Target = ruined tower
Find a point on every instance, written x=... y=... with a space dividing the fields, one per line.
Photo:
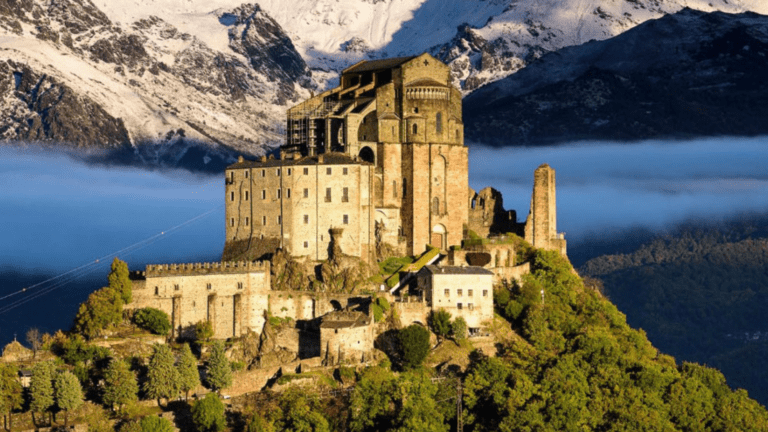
x=541 y=225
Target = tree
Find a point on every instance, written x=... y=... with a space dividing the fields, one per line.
x=11 y=393
x=69 y=394
x=219 y=371
x=41 y=388
x=459 y=329
x=189 y=377
x=153 y=320
x=35 y=340
x=203 y=330
x=120 y=385
x=155 y=424
x=102 y=309
x=162 y=376
x=119 y=280
x=301 y=412
x=414 y=345
x=208 y=414
x=440 y=322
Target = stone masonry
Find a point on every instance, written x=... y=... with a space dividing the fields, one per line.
x=541 y=225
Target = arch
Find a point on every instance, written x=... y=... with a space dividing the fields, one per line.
x=336 y=305
x=438 y=236
x=415 y=128
x=367 y=154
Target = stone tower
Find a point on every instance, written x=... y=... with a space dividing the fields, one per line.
x=541 y=225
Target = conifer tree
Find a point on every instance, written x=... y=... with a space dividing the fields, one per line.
x=41 y=388
x=69 y=394
x=208 y=414
x=119 y=280
x=162 y=376
x=189 y=377
x=120 y=385
x=102 y=309
x=219 y=371
x=11 y=396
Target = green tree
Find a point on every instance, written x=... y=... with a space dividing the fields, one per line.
x=153 y=320
x=459 y=329
x=219 y=371
x=120 y=385
x=259 y=424
x=41 y=388
x=414 y=345
x=440 y=323
x=208 y=414
x=69 y=394
x=203 y=330
x=102 y=309
x=301 y=412
x=155 y=424
x=119 y=280
x=189 y=377
x=11 y=393
x=162 y=376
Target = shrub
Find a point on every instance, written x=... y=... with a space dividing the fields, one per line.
x=440 y=323
x=153 y=320
x=203 y=330
x=155 y=424
x=208 y=413
x=459 y=329
x=414 y=345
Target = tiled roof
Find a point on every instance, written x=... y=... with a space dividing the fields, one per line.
x=375 y=65
x=332 y=158
x=457 y=270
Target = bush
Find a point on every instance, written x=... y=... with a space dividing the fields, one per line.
x=155 y=424
x=459 y=329
x=414 y=345
x=203 y=330
x=153 y=320
x=440 y=323
x=208 y=414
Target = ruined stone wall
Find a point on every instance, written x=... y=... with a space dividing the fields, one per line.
x=498 y=258
x=541 y=225
x=487 y=215
x=411 y=312
x=466 y=295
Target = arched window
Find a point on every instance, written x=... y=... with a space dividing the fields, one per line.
x=367 y=155
x=436 y=205
x=439 y=122
x=415 y=129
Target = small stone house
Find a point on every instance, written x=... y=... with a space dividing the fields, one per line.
x=465 y=292
x=346 y=336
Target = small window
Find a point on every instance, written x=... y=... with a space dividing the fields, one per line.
x=416 y=110
x=239 y=285
x=231 y=222
x=415 y=129
x=279 y=219
x=288 y=193
x=460 y=292
x=327 y=194
x=328 y=171
x=346 y=219
x=231 y=196
x=176 y=287
x=157 y=291
x=263 y=194
x=470 y=292
x=264 y=220
x=345 y=171
x=439 y=123
x=485 y=293
x=277 y=171
x=232 y=176
x=470 y=306
x=306 y=245
x=263 y=173
x=405 y=187
x=278 y=194
x=246 y=195
x=289 y=171
x=345 y=195
x=247 y=222
x=208 y=286
x=306 y=219
x=458 y=306
x=246 y=173
x=447 y=292
x=306 y=193
x=306 y=171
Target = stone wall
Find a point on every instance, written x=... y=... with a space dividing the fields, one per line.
x=487 y=215
x=411 y=312
x=541 y=225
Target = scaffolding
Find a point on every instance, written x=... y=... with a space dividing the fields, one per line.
x=302 y=124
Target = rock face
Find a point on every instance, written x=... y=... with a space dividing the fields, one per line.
x=684 y=75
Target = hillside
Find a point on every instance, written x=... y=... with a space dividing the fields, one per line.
x=689 y=74
x=701 y=296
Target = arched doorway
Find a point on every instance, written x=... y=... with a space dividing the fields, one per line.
x=438 y=236
x=367 y=155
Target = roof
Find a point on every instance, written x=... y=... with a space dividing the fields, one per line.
x=344 y=319
x=458 y=270
x=375 y=65
x=426 y=82
x=332 y=158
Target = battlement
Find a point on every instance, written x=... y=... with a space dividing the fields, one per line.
x=195 y=269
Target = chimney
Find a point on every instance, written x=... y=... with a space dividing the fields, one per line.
x=320 y=158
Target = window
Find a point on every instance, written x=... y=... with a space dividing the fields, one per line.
x=457 y=134
x=288 y=193
x=246 y=195
x=345 y=195
x=405 y=187
x=458 y=306
x=278 y=193
x=231 y=196
x=306 y=171
x=306 y=245
x=439 y=123
x=289 y=171
x=327 y=194
x=245 y=173
x=263 y=194
x=470 y=306
x=277 y=171
x=306 y=219
x=346 y=219
x=306 y=193
x=232 y=176
x=157 y=291
x=345 y=171
x=231 y=222
x=394 y=188
x=436 y=205
x=328 y=171
x=416 y=110
x=263 y=173
x=176 y=287
x=264 y=220
x=208 y=286
x=447 y=292
x=239 y=285
x=460 y=292
x=415 y=129
x=279 y=219
x=469 y=293
x=247 y=222
x=485 y=293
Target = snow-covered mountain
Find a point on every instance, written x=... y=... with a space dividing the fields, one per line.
x=221 y=72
